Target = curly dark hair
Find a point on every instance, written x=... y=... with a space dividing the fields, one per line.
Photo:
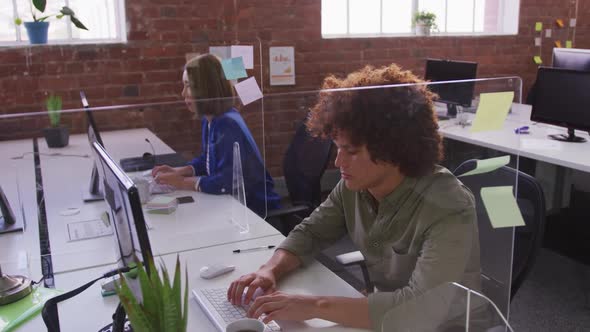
x=397 y=124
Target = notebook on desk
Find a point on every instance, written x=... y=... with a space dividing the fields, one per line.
x=137 y=164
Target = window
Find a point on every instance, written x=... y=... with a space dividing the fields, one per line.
x=105 y=20
x=376 y=18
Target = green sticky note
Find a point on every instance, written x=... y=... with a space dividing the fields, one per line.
x=501 y=207
x=492 y=111
x=233 y=68
x=16 y=313
x=568 y=44
x=538 y=26
x=537 y=59
x=488 y=165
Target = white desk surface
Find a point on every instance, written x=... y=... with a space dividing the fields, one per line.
x=20 y=251
x=570 y=155
x=314 y=279
x=195 y=225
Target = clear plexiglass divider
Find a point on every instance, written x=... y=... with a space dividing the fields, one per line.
x=479 y=145
x=276 y=122
x=449 y=307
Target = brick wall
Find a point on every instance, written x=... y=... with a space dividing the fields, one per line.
x=148 y=67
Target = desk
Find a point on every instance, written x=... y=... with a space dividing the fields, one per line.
x=314 y=279
x=571 y=155
x=191 y=226
x=20 y=251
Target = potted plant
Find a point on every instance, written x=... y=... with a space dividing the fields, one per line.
x=37 y=30
x=160 y=307
x=56 y=136
x=424 y=21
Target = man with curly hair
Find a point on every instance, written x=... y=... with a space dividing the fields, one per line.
x=413 y=221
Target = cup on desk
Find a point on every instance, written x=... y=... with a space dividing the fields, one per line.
x=245 y=325
x=143 y=188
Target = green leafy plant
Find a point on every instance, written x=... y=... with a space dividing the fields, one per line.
x=40 y=5
x=425 y=18
x=161 y=309
x=53 y=104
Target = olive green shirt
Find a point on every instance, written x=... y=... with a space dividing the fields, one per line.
x=419 y=236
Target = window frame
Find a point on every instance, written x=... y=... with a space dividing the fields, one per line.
x=120 y=38
x=415 y=6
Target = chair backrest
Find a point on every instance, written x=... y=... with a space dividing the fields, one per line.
x=304 y=164
x=527 y=239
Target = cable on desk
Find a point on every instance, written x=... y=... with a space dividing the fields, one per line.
x=54 y=154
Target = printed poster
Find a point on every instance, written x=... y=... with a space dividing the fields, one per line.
x=282 y=65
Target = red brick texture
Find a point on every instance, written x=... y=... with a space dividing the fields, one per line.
x=148 y=67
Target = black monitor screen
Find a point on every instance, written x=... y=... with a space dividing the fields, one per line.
x=571 y=58
x=445 y=70
x=562 y=98
x=121 y=195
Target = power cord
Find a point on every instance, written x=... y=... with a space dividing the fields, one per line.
x=55 y=154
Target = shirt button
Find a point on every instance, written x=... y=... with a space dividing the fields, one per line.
x=375 y=244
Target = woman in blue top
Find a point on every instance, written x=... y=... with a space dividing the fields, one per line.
x=208 y=94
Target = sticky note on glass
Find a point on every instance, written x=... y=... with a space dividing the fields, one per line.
x=492 y=111
x=501 y=207
x=568 y=44
x=488 y=165
x=248 y=91
x=572 y=22
x=537 y=41
x=537 y=59
x=558 y=43
x=223 y=52
x=538 y=26
x=244 y=51
x=233 y=68
x=547 y=33
x=559 y=22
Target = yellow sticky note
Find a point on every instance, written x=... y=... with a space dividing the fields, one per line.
x=538 y=26
x=559 y=22
x=492 y=111
x=558 y=43
x=537 y=59
x=568 y=44
x=488 y=165
x=501 y=207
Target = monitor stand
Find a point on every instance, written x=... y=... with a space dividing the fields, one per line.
x=570 y=137
x=8 y=227
x=92 y=193
x=452 y=110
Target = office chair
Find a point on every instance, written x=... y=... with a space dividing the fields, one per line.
x=304 y=164
x=527 y=239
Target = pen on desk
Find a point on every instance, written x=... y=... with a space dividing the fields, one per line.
x=237 y=251
x=522 y=130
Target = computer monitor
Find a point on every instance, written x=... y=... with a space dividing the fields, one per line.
x=7 y=219
x=452 y=94
x=125 y=213
x=93 y=193
x=571 y=58
x=562 y=99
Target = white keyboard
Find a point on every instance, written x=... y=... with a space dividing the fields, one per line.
x=221 y=312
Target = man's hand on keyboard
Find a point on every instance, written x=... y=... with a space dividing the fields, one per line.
x=263 y=279
x=162 y=169
x=282 y=306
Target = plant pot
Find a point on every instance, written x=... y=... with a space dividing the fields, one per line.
x=422 y=29
x=56 y=137
x=37 y=32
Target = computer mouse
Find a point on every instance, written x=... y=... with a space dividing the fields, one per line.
x=147 y=156
x=214 y=270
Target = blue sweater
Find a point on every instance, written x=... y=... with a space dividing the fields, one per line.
x=219 y=138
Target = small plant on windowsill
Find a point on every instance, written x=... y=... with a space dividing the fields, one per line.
x=57 y=136
x=424 y=22
x=37 y=29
